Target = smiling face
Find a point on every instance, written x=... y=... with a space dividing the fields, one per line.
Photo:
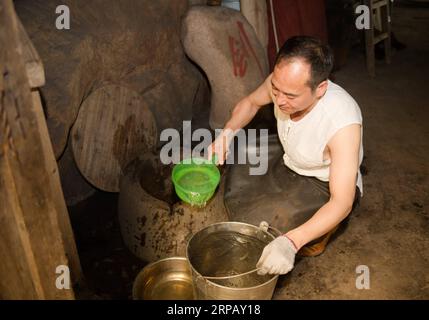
x=291 y=89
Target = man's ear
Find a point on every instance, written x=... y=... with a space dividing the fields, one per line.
x=321 y=89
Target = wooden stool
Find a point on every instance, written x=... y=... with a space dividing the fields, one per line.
x=379 y=31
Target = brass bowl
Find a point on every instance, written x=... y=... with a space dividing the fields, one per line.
x=166 y=279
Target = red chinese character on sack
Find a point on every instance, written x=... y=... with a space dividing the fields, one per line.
x=240 y=48
x=239 y=56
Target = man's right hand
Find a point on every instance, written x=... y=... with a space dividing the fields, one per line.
x=242 y=114
x=221 y=146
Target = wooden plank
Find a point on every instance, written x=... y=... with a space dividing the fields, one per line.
x=33 y=64
x=113 y=127
x=386 y=26
x=28 y=205
x=378 y=4
x=15 y=245
x=55 y=185
x=369 y=42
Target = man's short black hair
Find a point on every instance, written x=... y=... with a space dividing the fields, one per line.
x=314 y=52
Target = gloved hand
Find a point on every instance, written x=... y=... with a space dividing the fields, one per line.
x=278 y=257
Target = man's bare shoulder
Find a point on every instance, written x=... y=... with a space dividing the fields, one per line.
x=262 y=95
x=345 y=136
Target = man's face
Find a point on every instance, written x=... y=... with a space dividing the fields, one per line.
x=290 y=87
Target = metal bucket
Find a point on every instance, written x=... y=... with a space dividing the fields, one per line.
x=227 y=253
x=166 y=279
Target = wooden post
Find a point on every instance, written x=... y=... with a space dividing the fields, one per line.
x=369 y=41
x=35 y=235
x=386 y=27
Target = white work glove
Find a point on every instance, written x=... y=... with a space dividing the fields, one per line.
x=278 y=257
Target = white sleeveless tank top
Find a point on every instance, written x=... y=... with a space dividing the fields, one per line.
x=305 y=140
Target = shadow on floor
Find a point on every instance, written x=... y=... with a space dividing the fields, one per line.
x=108 y=266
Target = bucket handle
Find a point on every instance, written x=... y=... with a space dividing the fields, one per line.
x=233 y=276
x=264 y=226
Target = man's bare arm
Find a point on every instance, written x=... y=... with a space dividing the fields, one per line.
x=246 y=109
x=242 y=114
x=344 y=151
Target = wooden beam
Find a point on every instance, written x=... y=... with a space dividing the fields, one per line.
x=31 y=242
x=55 y=185
x=36 y=76
x=33 y=63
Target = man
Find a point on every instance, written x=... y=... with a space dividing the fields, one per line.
x=320 y=128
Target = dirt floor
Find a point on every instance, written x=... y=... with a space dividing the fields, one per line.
x=389 y=232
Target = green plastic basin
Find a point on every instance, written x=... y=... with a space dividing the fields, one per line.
x=195 y=180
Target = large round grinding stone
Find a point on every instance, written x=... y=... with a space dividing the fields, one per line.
x=114 y=125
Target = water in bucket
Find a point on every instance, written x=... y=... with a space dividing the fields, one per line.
x=227 y=253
